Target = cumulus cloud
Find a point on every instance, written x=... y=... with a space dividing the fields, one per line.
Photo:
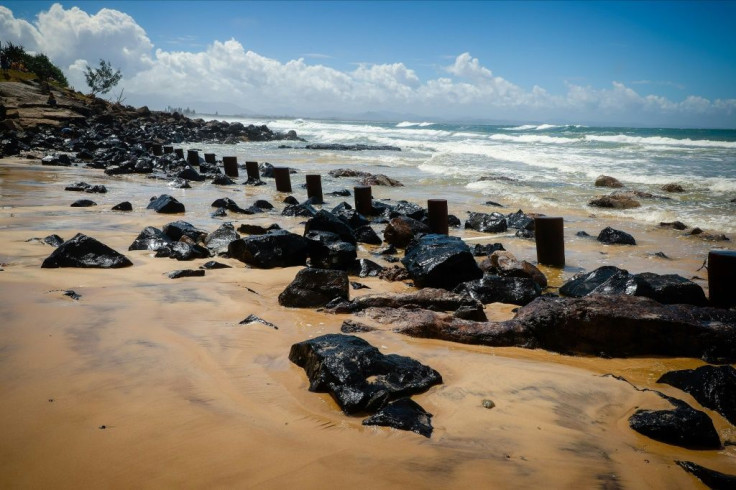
x=225 y=72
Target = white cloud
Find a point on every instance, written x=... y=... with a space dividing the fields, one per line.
x=225 y=72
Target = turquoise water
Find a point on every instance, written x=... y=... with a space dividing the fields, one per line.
x=539 y=166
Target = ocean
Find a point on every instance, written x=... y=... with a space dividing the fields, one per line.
x=541 y=167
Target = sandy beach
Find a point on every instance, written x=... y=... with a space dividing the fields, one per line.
x=150 y=382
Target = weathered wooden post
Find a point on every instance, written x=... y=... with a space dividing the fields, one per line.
x=438 y=216
x=193 y=158
x=550 y=237
x=283 y=179
x=252 y=169
x=231 y=166
x=209 y=158
x=722 y=278
x=363 y=200
x=168 y=149
x=314 y=188
x=179 y=152
x=157 y=149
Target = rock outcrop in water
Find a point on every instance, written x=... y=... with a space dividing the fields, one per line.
x=85 y=252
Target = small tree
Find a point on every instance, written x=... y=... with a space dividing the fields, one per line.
x=102 y=79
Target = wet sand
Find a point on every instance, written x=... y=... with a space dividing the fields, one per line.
x=190 y=398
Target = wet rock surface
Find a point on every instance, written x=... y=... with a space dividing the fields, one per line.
x=487 y=223
x=402 y=230
x=714 y=480
x=682 y=426
x=86 y=252
x=615 y=237
x=440 y=261
x=314 y=288
x=403 y=414
x=178 y=274
x=362 y=379
x=609 y=326
x=713 y=387
x=277 y=248
x=166 y=204
x=497 y=289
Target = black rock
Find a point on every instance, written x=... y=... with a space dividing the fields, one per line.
x=85 y=187
x=358 y=285
x=713 y=387
x=291 y=201
x=520 y=221
x=179 y=183
x=123 y=206
x=230 y=205
x=150 y=239
x=440 y=261
x=277 y=248
x=72 y=294
x=357 y=375
x=405 y=208
x=404 y=414
x=486 y=250
x=166 y=204
x=263 y=204
x=248 y=229
x=340 y=193
x=221 y=179
x=582 y=234
x=615 y=237
x=526 y=234
x=582 y=284
x=497 y=289
x=53 y=240
x=683 y=426
x=219 y=239
x=474 y=313
x=669 y=289
x=402 y=230
x=186 y=273
x=211 y=265
x=350 y=216
x=327 y=250
x=365 y=268
x=356 y=147
x=190 y=174
x=177 y=229
x=255 y=319
x=326 y=221
x=83 y=203
x=453 y=221
x=312 y=288
x=305 y=210
x=714 y=480
x=183 y=251
x=487 y=223
x=366 y=234
x=86 y=252
x=219 y=213
x=351 y=326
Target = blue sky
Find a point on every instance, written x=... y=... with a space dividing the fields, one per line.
x=665 y=57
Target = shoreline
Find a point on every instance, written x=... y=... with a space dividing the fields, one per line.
x=190 y=398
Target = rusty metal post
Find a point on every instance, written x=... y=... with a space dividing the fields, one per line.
x=550 y=237
x=252 y=169
x=438 y=216
x=314 y=188
x=363 y=200
x=209 y=158
x=231 y=166
x=157 y=149
x=168 y=149
x=722 y=278
x=179 y=152
x=283 y=179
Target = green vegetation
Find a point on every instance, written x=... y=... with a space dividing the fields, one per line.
x=102 y=79
x=22 y=64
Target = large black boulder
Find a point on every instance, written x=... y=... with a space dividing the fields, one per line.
x=440 y=261
x=183 y=250
x=583 y=284
x=86 y=252
x=326 y=221
x=487 y=223
x=312 y=288
x=357 y=375
x=305 y=210
x=682 y=426
x=327 y=250
x=219 y=239
x=150 y=239
x=366 y=234
x=715 y=480
x=713 y=387
x=177 y=229
x=277 y=248
x=402 y=230
x=404 y=414
x=492 y=288
x=615 y=237
x=166 y=204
